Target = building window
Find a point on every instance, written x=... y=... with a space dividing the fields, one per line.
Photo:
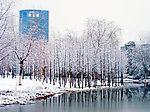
x=37 y=15
x=29 y=15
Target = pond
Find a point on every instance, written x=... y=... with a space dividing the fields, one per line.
x=135 y=99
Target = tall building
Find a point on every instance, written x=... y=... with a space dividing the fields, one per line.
x=34 y=22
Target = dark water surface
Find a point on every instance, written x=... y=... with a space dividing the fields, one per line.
x=135 y=99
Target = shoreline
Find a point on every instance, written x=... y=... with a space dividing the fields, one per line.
x=31 y=91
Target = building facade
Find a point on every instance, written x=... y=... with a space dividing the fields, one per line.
x=34 y=23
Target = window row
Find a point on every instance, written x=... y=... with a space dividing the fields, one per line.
x=33 y=15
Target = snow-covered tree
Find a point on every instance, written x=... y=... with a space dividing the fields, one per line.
x=142 y=58
x=6 y=34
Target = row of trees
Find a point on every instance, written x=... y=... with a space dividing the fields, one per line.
x=93 y=56
x=84 y=59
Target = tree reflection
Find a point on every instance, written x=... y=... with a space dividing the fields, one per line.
x=99 y=99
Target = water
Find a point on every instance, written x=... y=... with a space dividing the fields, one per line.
x=102 y=100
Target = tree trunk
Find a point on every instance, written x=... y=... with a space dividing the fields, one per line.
x=82 y=79
x=21 y=69
x=69 y=80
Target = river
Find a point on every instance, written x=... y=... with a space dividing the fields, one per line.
x=135 y=99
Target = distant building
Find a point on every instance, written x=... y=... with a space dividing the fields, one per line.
x=122 y=48
x=145 y=46
x=34 y=22
x=130 y=45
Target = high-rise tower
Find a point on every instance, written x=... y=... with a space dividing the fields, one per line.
x=34 y=22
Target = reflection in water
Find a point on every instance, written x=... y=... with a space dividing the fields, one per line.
x=109 y=100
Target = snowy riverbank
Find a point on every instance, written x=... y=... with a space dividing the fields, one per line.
x=31 y=90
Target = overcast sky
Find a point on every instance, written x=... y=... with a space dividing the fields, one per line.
x=133 y=16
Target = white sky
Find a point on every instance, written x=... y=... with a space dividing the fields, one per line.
x=133 y=16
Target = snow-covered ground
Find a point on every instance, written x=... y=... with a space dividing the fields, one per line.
x=31 y=90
